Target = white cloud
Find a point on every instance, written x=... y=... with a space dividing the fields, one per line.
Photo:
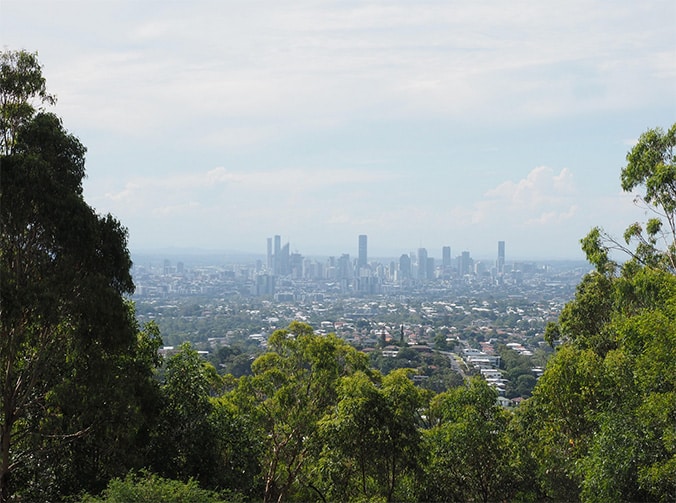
x=162 y=67
x=220 y=187
x=552 y=217
x=541 y=197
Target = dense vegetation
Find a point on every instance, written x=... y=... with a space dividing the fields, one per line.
x=91 y=413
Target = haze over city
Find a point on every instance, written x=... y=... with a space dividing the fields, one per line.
x=214 y=125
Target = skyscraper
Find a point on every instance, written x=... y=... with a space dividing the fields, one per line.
x=465 y=264
x=344 y=267
x=283 y=261
x=422 y=263
x=278 y=244
x=276 y=262
x=404 y=266
x=501 y=257
x=269 y=254
x=429 y=274
x=446 y=257
x=363 y=258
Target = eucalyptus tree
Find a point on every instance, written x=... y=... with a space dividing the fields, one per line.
x=601 y=418
x=67 y=330
x=23 y=92
x=294 y=385
x=470 y=458
x=372 y=439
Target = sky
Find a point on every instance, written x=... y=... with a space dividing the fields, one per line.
x=216 y=124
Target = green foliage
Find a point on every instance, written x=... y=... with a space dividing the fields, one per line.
x=22 y=86
x=470 y=456
x=116 y=405
x=518 y=370
x=294 y=385
x=560 y=418
x=596 y=251
x=602 y=421
x=371 y=441
x=651 y=166
x=583 y=320
x=149 y=488
x=198 y=435
x=76 y=375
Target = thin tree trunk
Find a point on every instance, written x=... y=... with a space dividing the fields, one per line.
x=5 y=433
x=390 y=492
x=8 y=416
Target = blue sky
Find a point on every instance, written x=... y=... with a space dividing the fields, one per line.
x=216 y=124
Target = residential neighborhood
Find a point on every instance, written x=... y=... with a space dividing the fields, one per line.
x=467 y=319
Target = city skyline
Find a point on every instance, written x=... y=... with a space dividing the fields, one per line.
x=278 y=257
x=210 y=124
x=446 y=254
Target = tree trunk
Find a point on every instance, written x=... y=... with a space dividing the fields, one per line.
x=8 y=417
x=393 y=478
x=5 y=465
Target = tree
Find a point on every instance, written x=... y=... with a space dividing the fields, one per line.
x=468 y=445
x=294 y=385
x=354 y=436
x=602 y=415
x=22 y=86
x=651 y=165
x=559 y=419
x=64 y=278
x=150 y=488
x=183 y=439
x=372 y=439
x=114 y=397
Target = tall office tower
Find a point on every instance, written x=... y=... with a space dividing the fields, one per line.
x=446 y=257
x=283 y=261
x=276 y=259
x=278 y=244
x=344 y=267
x=422 y=263
x=363 y=260
x=405 y=266
x=501 y=257
x=430 y=268
x=265 y=285
x=465 y=264
x=269 y=254
x=296 y=265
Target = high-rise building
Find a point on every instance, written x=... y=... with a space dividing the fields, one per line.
x=404 y=266
x=276 y=262
x=422 y=263
x=363 y=258
x=278 y=244
x=344 y=267
x=296 y=265
x=283 y=261
x=446 y=257
x=465 y=264
x=501 y=257
x=265 y=285
x=269 y=254
x=429 y=274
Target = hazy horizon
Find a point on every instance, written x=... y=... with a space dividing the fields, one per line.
x=179 y=253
